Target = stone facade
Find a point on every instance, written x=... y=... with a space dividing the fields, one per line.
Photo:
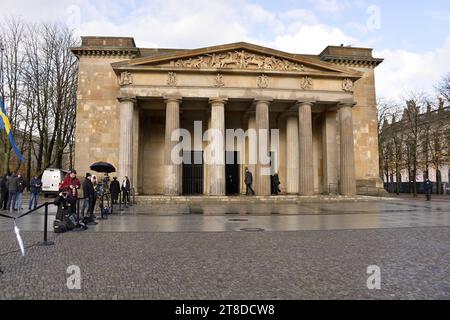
x=130 y=99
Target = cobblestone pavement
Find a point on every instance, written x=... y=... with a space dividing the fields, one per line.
x=314 y=251
x=414 y=264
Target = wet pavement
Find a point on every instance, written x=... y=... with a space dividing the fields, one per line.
x=238 y=251
x=217 y=217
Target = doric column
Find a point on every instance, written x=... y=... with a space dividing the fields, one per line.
x=329 y=150
x=217 y=185
x=347 y=156
x=172 y=171
x=292 y=153
x=262 y=185
x=252 y=149
x=306 y=163
x=126 y=137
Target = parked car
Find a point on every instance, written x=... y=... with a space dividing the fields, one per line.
x=51 y=179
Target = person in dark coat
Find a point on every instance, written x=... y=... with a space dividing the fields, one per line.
x=12 y=186
x=428 y=187
x=248 y=182
x=85 y=194
x=35 y=189
x=3 y=192
x=114 y=189
x=126 y=191
x=90 y=194
x=275 y=184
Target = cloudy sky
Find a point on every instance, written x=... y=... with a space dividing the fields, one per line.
x=413 y=36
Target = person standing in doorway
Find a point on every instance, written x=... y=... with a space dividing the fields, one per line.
x=126 y=190
x=428 y=188
x=35 y=189
x=11 y=184
x=248 y=182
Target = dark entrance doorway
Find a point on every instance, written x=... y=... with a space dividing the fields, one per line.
x=232 y=174
x=193 y=172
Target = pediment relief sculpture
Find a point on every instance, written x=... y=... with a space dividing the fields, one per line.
x=237 y=60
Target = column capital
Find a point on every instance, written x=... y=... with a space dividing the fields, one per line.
x=176 y=99
x=218 y=100
x=346 y=103
x=307 y=101
x=127 y=99
x=257 y=101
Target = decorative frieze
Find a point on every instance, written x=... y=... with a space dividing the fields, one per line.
x=218 y=81
x=306 y=83
x=172 y=79
x=126 y=78
x=347 y=85
x=263 y=81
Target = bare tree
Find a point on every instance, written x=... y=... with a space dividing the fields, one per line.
x=12 y=62
x=443 y=87
x=39 y=77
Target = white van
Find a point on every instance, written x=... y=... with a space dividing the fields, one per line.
x=51 y=178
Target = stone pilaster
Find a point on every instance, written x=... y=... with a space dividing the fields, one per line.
x=217 y=185
x=172 y=170
x=126 y=137
x=262 y=179
x=292 y=153
x=347 y=156
x=306 y=163
x=329 y=151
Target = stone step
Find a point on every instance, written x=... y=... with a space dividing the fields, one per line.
x=252 y=199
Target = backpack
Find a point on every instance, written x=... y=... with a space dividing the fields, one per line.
x=59 y=226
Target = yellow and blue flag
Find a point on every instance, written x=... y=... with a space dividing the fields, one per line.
x=5 y=124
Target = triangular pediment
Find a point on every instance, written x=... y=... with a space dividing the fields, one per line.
x=241 y=56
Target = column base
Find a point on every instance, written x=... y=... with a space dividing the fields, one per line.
x=171 y=182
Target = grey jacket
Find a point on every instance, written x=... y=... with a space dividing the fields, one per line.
x=12 y=184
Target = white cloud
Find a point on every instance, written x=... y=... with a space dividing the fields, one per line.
x=312 y=39
x=404 y=70
x=195 y=23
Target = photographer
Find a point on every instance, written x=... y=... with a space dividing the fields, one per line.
x=65 y=215
x=71 y=184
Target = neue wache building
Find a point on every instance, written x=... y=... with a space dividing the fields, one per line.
x=317 y=111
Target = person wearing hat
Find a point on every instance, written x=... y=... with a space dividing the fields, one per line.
x=114 y=189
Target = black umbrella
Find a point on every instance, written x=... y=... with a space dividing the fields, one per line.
x=103 y=167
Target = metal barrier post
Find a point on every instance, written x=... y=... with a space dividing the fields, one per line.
x=46 y=243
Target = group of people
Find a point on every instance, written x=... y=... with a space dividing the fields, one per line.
x=12 y=188
x=92 y=190
x=274 y=183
